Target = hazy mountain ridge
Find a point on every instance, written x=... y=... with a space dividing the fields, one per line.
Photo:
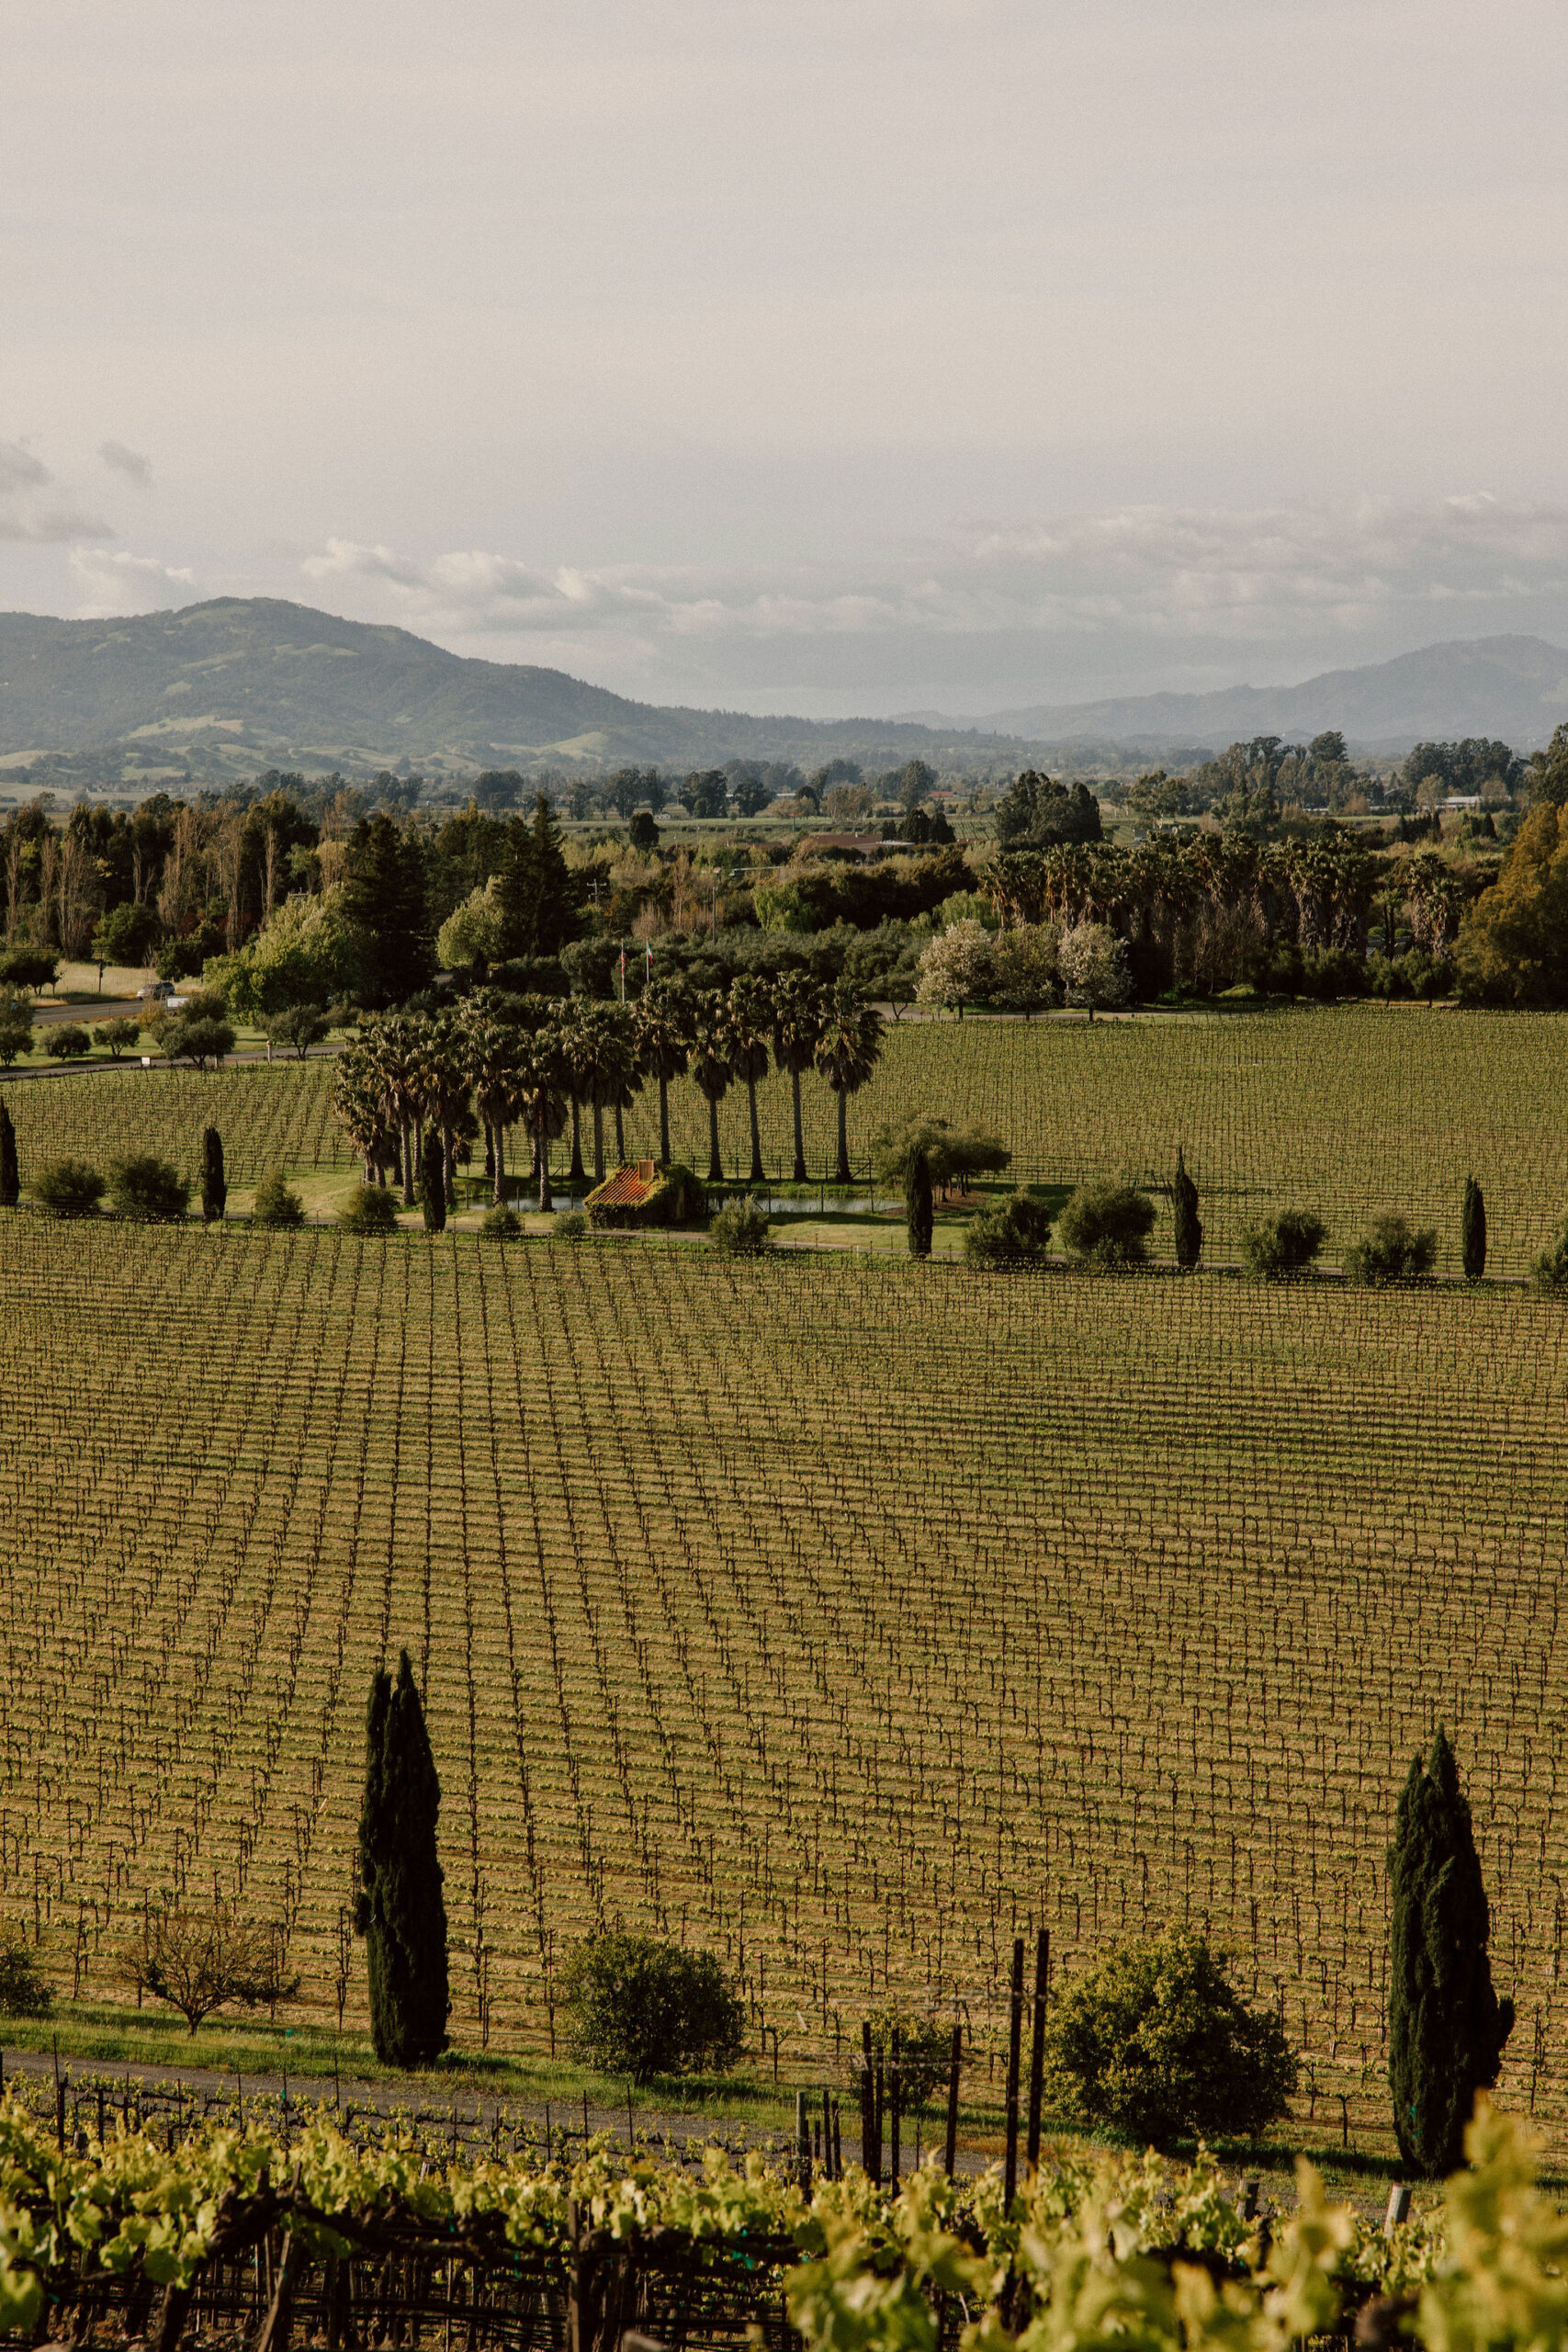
x=1515 y=687
x=240 y=683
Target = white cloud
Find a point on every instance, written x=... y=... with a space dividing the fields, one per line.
x=126 y=461
x=111 y=582
x=1259 y=574
x=28 y=511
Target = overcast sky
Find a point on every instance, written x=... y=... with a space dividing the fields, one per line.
x=828 y=355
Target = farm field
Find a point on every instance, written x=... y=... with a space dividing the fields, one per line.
x=1347 y=1111
x=846 y=1616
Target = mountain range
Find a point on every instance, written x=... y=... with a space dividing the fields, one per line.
x=220 y=690
x=1512 y=687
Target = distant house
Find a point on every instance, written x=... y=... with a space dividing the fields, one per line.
x=626 y=1188
x=851 y=845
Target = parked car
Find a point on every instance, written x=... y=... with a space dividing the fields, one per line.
x=155 y=992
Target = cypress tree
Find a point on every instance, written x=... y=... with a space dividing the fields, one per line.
x=1472 y=1231
x=918 y=1210
x=11 y=1178
x=432 y=1183
x=1446 y=2025
x=214 y=1186
x=1188 y=1232
x=400 y=1911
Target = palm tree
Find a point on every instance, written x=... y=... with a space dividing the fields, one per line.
x=799 y=1008
x=395 y=1044
x=846 y=1054
x=604 y=1063
x=748 y=1019
x=494 y=1072
x=360 y=1106
x=710 y=1067
x=441 y=1090
x=543 y=1078
x=661 y=1025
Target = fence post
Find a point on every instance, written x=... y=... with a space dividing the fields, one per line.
x=803 y=2143
x=1037 y=2046
x=953 y=2101
x=1015 y=2036
x=895 y=2089
x=867 y=2149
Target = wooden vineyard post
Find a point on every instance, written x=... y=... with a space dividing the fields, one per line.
x=878 y=2110
x=1015 y=2035
x=830 y=2166
x=1037 y=2045
x=867 y=2151
x=895 y=2085
x=952 y=2157
x=803 y=2144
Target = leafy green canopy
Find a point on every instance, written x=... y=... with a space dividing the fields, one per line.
x=641 y=2007
x=1157 y=2045
x=400 y=1911
x=1447 y=2027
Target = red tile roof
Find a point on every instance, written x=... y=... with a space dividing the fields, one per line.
x=628 y=1187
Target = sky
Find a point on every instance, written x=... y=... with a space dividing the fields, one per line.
x=820 y=355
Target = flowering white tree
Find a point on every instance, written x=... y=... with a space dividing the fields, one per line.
x=1024 y=968
x=957 y=966
x=1093 y=964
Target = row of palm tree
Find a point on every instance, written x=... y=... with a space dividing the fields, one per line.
x=498 y=1061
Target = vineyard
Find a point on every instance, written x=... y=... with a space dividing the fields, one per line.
x=1347 y=1112
x=850 y=1618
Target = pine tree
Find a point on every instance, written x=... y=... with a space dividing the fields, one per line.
x=1188 y=1232
x=1446 y=2025
x=917 y=1211
x=214 y=1186
x=535 y=886
x=1472 y=1231
x=400 y=1911
x=11 y=1178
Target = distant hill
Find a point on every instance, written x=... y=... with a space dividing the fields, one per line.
x=1515 y=687
x=225 y=688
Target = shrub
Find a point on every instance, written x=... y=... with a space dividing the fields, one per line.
x=1009 y=1233
x=69 y=1188
x=69 y=1042
x=741 y=1229
x=370 y=1208
x=1550 y=1271
x=1107 y=1225
x=15 y=1028
x=925 y=2050
x=1155 y=2045
x=641 y=2007
x=116 y=1037
x=197 y=1035
x=1392 y=1251
x=24 y=1990
x=145 y=1186
x=1283 y=1245
x=502 y=1224
x=570 y=1226
x=276 y=1206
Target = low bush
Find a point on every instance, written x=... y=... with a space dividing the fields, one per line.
x=741 y=1229
x=370 y=1208
x=1108 y=1226
x=118 y=1037
x=1550 y=1271
x=501 y=1225
x=145 y=1186
x=570 y=1226
x=1394 y=1252
x=1157 y=2045
x=68 y=1188
x=925 y=2051
x=1283 y=1245
x=641 y=2007
x=24 y=1990
x=276 y=1206
x=68 y=1043
x=1015 y=1232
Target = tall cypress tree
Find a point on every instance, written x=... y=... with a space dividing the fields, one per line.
x=534 y=888
x=919 y=1213
x=400 y=1911
x=11 y=1178
x=214 y=1184
x=1472 y=1231
x=1188 y=1232
x=1446 y=2025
